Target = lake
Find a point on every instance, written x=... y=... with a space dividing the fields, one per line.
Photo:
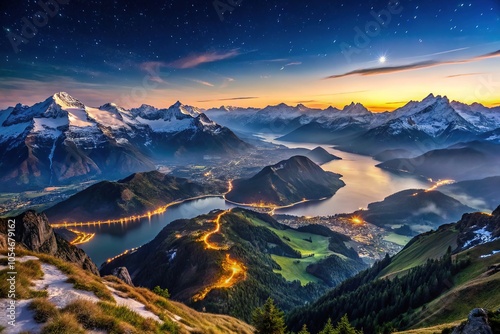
x=365 y=184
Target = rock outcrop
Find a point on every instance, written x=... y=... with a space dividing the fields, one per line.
x=123 y=274
x=33 y=232
x=477 y=323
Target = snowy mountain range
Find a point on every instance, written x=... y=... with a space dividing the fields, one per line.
x=61 y=140
x=434 y=122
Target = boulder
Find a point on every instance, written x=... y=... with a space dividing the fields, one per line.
x=123 y=274
x=477 y=323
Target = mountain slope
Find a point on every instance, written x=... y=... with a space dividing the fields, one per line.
x=286 y=182
x=437 y=278
x=71 y=300
x=134 y=195
x=482 y=194
x=418 y=210
x=465 y=161
x=227 y=262
x=60 y=140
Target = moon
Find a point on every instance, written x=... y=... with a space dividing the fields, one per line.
x=382 y=59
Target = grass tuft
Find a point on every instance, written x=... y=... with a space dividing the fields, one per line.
x=43 y=309
x=27 y=272
x=64 y=324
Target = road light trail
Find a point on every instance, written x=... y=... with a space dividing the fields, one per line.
x=234 y=270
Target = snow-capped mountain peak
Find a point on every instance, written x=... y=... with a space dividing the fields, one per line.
x=178 y=107
x=356 y=109
x=64 y=100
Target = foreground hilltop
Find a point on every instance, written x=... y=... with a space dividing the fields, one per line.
x=59 y=290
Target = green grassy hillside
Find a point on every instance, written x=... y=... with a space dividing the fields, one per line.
x=426 y=246
x=232 y=261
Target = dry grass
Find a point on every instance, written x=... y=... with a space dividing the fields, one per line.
x=64 y=324
x=27 y=272
x=43 y=309
x=90 y=316
x=106 y=315
x=431 y=330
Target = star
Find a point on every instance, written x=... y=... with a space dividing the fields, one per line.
x=382 y=59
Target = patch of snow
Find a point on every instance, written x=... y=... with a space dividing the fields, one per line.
x=108 y=118
x=49 y=127
x=491 y=254
x=27 y=258
x=482 y=236
x=134 y=305
x=274 y=169
x=12 y=131
x=60 y=293
x=24 y=318
x=78 y=118
x=122 y=141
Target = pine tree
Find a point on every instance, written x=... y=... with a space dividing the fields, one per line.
x=304 y=330
x=328 y=329
x=269 y=319
x=345 y=327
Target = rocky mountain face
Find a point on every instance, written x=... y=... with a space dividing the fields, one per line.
x=477 y=229
x=286 y=182
x=33 y=232
x=61 y=140
x=123 y=274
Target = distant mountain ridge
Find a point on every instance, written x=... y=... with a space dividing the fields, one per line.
x=60 y=140
x=434 y=122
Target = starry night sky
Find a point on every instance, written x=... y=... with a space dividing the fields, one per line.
x=262 y=52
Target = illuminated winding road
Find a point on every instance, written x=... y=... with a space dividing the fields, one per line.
x=236 y=271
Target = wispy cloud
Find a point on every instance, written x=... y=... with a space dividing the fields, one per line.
x=153 y=68
x=198 y=59
x=232 y=99
x=295 y=63
x=438 y=53
x=413 y=66
x=464 y=75
x=201 y=82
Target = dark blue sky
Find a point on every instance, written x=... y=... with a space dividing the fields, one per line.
x=262 y=51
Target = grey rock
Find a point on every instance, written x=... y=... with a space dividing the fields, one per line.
x=33 y=232
x=477 y=323
x=123 y=274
